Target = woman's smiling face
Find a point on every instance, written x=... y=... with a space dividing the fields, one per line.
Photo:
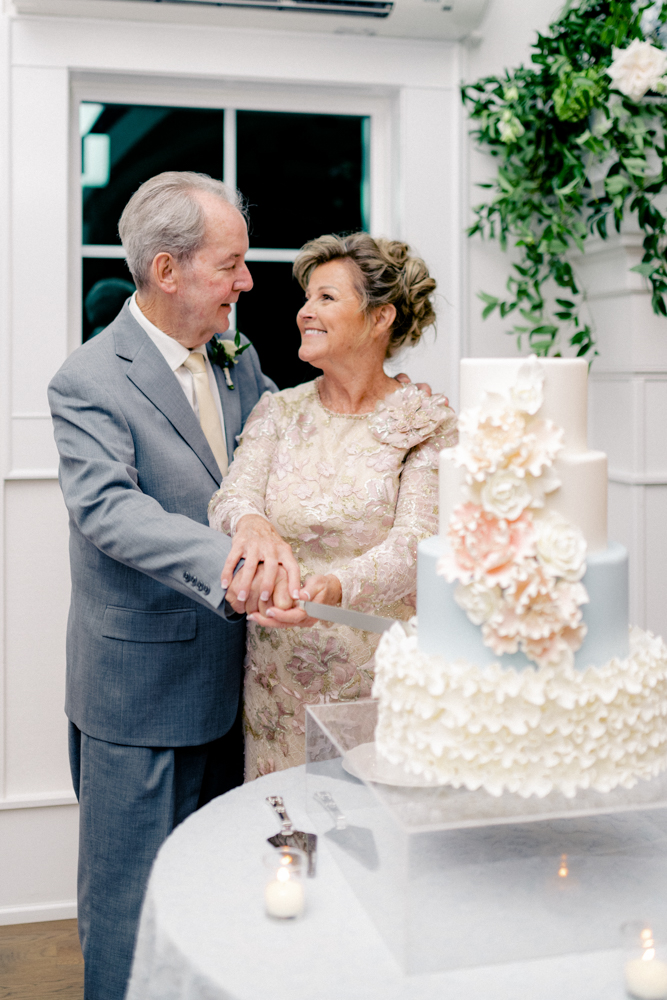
x=331 y=321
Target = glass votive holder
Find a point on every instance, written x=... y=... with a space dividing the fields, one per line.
x=284 y=895
x=645 y=962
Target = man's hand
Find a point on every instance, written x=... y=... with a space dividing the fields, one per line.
x=265 y=552
x=424 y=386
x=319 y=589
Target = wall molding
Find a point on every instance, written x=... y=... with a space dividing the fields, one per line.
x=39 y=800
x=24 y=474
x=637 y=478
x=38 y=912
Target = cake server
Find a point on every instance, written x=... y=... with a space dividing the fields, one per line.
x=358 y=841
x=354 y=619
x=289 y=837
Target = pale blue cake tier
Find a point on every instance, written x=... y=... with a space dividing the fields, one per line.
x=445 y=629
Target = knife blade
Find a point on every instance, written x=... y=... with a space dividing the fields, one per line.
x=342 y=616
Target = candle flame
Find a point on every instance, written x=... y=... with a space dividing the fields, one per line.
x=648 y=954
x=286 y=859
x=646 y=933
x=563 y=871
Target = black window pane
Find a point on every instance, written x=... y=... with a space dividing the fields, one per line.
x=106 y=285
x=301 y=174
x=267 y=316
x=144 y=141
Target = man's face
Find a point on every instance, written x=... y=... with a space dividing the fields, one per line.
x=208 y=284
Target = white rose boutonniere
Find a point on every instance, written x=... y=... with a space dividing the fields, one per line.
x=226 y=353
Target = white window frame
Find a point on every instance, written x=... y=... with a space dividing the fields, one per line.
x=378 y=106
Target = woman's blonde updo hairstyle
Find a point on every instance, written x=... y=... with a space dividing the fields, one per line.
x=385 y=273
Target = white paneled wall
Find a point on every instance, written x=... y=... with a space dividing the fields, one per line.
x=36 y=557
x=46 y=64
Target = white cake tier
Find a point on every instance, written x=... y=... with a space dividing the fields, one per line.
x=565 y=390
x=581 y=497
x=529 y=732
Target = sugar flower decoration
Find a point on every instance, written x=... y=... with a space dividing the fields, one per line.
x=518 y=568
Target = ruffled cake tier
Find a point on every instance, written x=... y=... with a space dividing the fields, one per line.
x=529 y=731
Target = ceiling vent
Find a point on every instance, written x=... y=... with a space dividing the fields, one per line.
x=437 y=20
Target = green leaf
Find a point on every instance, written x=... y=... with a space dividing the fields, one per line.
x=635 y=165
x=616 y=184
x=647 y=269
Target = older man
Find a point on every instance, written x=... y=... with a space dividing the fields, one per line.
x=145 y=426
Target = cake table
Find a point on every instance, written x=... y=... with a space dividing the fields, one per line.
x=204 y=936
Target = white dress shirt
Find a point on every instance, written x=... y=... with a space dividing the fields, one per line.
x=175 y=354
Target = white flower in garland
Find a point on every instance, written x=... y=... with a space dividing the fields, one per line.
x=638 y=68
x=510 y=127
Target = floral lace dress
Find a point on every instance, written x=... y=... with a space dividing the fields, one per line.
x=353 y=494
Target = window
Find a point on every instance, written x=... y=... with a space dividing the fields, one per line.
x=302 y=175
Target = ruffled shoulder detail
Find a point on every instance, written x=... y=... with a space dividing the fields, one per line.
x=408 y=416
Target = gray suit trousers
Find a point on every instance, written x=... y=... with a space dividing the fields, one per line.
x=131 y=798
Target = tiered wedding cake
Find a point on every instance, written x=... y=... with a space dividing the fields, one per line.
x=524 y=675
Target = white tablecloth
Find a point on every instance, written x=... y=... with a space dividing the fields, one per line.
x=204 y=935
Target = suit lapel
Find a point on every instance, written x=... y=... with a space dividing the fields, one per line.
x=231 y=408
x=154 y=378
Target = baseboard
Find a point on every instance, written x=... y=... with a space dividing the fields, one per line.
x=37 y=913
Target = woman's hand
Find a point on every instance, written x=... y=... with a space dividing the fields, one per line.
x=322 y=589
x=317 y=588
x=267 y=557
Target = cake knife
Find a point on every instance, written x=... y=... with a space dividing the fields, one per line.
x=358 y=841
x=354 y=619
x=289 y=837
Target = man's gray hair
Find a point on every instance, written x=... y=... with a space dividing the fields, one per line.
x=164 y=215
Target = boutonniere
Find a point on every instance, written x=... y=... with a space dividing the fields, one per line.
x=227 y=353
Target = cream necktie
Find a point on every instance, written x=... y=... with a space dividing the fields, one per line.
x=208 y=414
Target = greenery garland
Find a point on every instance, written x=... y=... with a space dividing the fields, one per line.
x=580 y=143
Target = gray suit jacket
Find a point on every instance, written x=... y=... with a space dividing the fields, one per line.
x=152 y=659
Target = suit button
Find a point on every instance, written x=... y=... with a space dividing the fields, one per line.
x=193 y=581
x=207 y=590
x=186 y=577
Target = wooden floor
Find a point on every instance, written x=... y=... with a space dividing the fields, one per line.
x=40 y=961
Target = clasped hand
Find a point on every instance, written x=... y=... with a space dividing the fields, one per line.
x=268 y=585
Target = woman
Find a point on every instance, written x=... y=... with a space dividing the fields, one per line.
x=345 y=468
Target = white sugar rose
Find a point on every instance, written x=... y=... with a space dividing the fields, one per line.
x=561 y=547
x=527 y=392
x=480 y=603
x=637 y=68
x=505 y=494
